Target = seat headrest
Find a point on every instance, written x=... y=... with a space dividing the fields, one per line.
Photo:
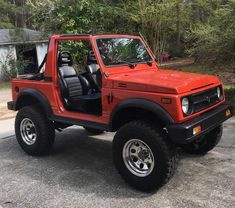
x=92 y=68
x=65 y=59
x=91 y=59
x=67 y=71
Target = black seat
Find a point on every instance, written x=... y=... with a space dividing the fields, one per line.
x=93 y=73
x=76 y=90
x=65 y=59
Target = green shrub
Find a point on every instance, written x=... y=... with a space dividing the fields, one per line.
x=230 y=93
x=214 y=39
x=10 y=68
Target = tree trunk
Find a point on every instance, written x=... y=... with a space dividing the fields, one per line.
x=178 y=27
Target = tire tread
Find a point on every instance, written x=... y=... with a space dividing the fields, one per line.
x=47 y=132
x=168 y=149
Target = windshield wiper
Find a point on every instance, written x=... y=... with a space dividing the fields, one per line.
x=138 y=61
x=131 y=65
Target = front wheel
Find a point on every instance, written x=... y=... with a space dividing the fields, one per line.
x=34 y=132
x=205 y=143
x=143 y=157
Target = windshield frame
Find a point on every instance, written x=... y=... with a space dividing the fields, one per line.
x=127 y=37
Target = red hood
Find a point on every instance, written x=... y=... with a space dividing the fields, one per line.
x=162 y=81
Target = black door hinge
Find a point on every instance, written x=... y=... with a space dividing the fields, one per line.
x=110 y=97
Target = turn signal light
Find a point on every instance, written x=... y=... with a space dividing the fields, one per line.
x=228 y=113
x=197 y=130
x=166 y=100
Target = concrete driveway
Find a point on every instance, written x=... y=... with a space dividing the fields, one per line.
x=5 y=96
x=79 y=173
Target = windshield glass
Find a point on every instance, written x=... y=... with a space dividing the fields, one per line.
x=121 y=51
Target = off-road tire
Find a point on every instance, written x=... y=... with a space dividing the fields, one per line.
x=163 y=150
x=45 y=133
x=206 y=143
x=93 y=131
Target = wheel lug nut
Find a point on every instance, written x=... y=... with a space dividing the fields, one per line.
x=135 y=159
x=133 y=151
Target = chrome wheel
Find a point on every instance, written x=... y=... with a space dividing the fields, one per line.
x=138 y=157
x=28 y=131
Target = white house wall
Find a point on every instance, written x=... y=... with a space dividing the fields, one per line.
x=41 y=52
x=6 y=53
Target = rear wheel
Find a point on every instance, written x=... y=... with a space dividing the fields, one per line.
x=205 y=143
x=93 y=130
x=34 y=132
x=143 y=157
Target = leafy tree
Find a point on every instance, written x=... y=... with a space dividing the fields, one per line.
x=215 y=40
x=44 y=15
x=204 y=27
x=6 y=10
x=13 y=14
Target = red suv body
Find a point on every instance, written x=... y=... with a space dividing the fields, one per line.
x=185 y=106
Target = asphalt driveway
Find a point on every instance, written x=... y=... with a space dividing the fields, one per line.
x=79 y=173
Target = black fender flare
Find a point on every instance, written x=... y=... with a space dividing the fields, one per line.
x=36 y=94
x=144 y=104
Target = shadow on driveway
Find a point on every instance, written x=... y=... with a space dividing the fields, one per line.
x=78 y=161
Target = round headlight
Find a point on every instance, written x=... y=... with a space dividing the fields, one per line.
x=185 y=105
x=219 y=94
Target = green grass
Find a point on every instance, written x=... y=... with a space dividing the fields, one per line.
x=229 y=91
x=4 y=85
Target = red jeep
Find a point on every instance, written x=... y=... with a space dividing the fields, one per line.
x=113 y=83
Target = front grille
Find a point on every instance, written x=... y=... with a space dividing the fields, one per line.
x=205 y=99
